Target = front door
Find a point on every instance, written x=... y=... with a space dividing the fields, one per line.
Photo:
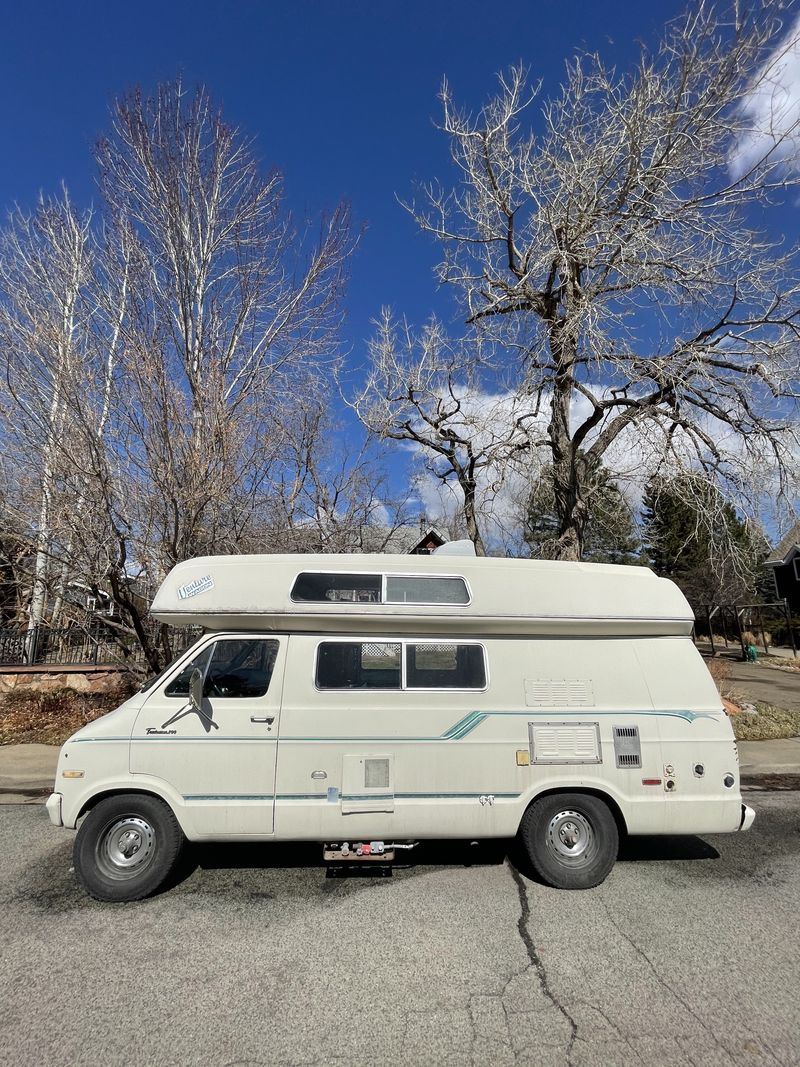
x=221 y=757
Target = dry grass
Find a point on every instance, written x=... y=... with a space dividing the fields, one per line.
x=719 y=669
x=48 y=717
x=769 y=724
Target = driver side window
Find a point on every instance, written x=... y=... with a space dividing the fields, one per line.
x=233 y=668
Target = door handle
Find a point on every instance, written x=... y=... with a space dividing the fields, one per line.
x=269 y=719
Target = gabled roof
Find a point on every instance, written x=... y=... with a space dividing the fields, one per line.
x=780 y=554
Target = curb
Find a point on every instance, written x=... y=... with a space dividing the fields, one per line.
x=773 y=782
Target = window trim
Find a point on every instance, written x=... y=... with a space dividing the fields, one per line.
x=795 y=563
x=373 y=639
x=384 y=575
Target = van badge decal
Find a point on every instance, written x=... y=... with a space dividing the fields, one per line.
x=153 y=730
x=199 y=585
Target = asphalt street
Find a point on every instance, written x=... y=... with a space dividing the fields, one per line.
x=688 y=954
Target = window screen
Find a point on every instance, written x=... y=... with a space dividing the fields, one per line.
x=426 y=590
x=238 y=668
x=358 y=665
x=343 y=588
x=445 y=666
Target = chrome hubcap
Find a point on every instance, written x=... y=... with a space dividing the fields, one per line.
x=126 y=847
x=570 y=837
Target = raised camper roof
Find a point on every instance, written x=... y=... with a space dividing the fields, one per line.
x=419 y=594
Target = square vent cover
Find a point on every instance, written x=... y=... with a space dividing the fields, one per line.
x=627 y=747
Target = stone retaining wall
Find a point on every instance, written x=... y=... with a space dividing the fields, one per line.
x=95 y=681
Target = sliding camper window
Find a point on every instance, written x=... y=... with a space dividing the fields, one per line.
x=445 y=666
x=427 y=589
x=312 y=587
x=359 y=665
x=339 y=588
x=400 y=665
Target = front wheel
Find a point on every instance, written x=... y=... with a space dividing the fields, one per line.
x=571 y=840
x=127 y=847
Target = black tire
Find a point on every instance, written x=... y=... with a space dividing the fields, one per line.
x=127 y=847
x=571 y=840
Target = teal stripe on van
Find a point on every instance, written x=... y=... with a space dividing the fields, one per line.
x=456 y=732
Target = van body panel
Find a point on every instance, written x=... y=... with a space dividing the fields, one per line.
x=610 y=696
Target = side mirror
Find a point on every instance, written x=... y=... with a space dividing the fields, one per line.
x=196 y=689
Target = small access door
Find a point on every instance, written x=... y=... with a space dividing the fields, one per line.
x=220 y=757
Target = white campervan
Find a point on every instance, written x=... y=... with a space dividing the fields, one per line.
x=367 y=702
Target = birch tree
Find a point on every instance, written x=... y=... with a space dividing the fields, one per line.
x=153 y=353
x=615 y=247
x=46 y=263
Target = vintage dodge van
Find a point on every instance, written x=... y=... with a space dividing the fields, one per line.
x=367 y=702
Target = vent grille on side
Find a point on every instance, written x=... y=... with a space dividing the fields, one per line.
x=376 y=774
x=627 y=747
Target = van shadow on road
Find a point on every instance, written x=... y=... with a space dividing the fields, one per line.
x=296 y=871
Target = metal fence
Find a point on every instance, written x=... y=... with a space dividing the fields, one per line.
x=76 y=646
x=725 y=626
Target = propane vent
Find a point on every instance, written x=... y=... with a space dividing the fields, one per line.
x=627 y=748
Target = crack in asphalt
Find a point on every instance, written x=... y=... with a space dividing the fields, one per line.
x=660 y=978
x=536 y=962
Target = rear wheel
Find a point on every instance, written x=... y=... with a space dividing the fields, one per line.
x=571 y=840
x=127 y=847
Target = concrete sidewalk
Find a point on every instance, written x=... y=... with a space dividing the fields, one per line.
x=27 y=772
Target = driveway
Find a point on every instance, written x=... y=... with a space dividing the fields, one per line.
x=756 y=682
x=687 y=955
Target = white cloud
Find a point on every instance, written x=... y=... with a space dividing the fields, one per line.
x=770 y=112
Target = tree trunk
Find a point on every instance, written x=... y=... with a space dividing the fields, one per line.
x=570 y=506
x=471 y=517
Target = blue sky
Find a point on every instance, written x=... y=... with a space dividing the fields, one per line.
x=340 y=96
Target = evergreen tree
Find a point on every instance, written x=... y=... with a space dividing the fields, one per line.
x=713 y=563
x=610 y=532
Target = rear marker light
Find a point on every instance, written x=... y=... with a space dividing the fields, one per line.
x=651 y=781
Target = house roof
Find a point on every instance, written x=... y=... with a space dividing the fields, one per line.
x=780 y=554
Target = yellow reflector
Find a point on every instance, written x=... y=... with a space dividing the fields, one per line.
x=523 y=757
x=72 y=774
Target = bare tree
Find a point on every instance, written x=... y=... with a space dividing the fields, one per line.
x=329 y=493
x=46 y=264
x=426 y=390
x=615 y=253
x=151 y=359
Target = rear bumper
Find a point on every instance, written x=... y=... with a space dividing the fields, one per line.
x=748 y=817
x=53 y=806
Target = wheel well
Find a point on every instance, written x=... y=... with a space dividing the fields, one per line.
x=613 y=806
x=93 y=801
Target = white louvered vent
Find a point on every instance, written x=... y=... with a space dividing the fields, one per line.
x=559 y=693
x=565 y=742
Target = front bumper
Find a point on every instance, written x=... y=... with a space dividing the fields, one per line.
x=53 y=806
x=748 y=817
